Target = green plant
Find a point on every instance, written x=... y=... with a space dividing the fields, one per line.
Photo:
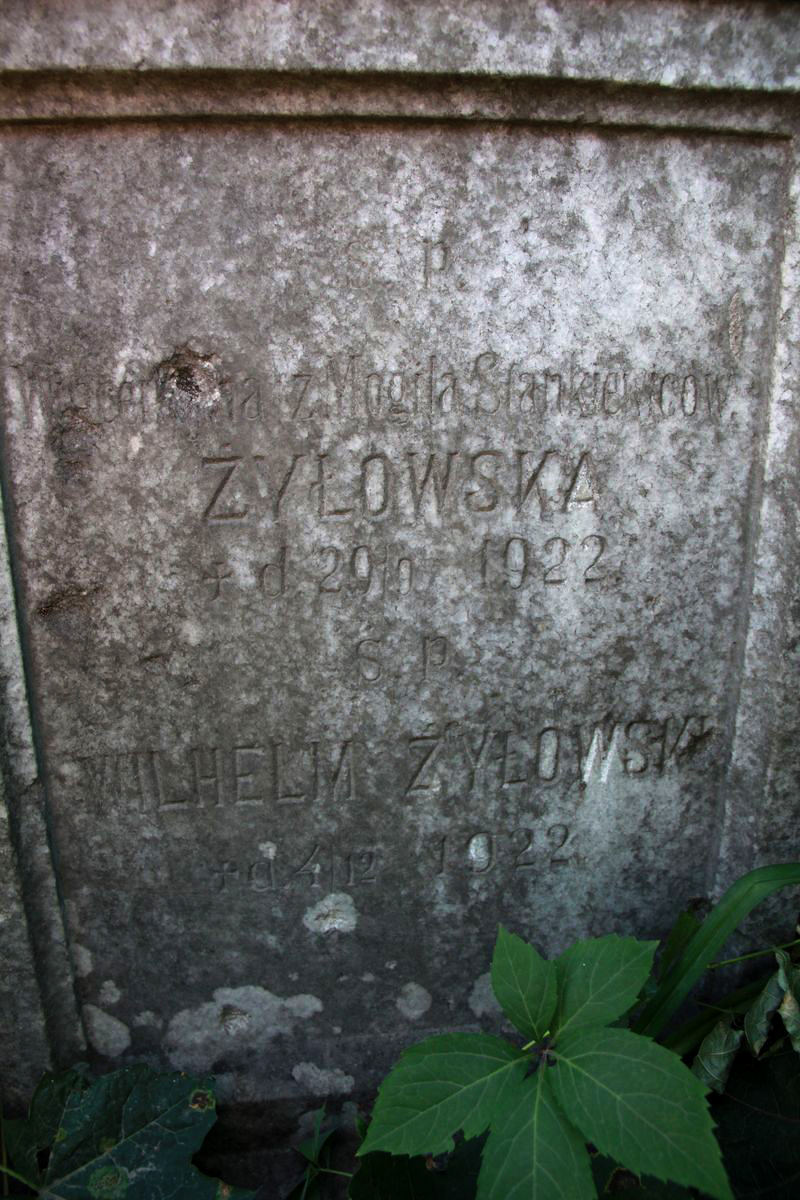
x=129 y=1134
x=581 y=1076
x=316 y=1151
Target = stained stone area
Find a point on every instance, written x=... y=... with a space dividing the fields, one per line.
x=400 y=524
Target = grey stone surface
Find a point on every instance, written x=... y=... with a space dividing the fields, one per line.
x=23 y=1047
x=37 y=1003
x=689 y=43
x=402 y=490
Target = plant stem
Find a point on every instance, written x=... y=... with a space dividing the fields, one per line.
x=330 y=1171
x=729 y=962
x=19 y=1178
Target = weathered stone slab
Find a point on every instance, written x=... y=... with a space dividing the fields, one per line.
x=686 y=43
x=383 y=514
x=23 y=1049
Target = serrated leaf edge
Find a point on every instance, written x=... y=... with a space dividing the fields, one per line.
x=619 y=1100
x=592 y=998
x=523 y=991
x=507 y=1065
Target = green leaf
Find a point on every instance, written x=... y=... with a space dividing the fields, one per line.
x=685 y=927
x=702 y=948
x=525 y=984
x=454 y=1081
x=129 y=1134
x=789 y=1008
x=27 y=1137
x=716 y=1054
x=759 y=1017
x=312 y=1146
x=640 y=1105
x=533 y=1151
x=599 y=979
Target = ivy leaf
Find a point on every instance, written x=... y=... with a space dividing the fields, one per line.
x=599 y=979
x=533 y=1151
x=450 y=1082
x=640 y=1105
x=524 y=983
x=714 y=1059
x=758 y=1018
x=129 y=1134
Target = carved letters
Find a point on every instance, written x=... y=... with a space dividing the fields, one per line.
x=415 y=485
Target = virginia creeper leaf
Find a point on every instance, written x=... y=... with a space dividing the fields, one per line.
x=446 y=1083
x=640 y=1105
x=714 y=1059
x=533 y=1153
x=524 y=983
x=599 y=979
x=758 y=1018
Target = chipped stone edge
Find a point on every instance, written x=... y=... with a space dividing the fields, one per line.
x=24 y=803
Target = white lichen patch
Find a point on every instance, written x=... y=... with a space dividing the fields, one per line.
x=482 y=999
x=82 y=958
x=322 y=1081
x=109 y=992
x=335 y=913
x=108 y=1035
x=145 y=1018
x=414 y=1001
x=237 y=1020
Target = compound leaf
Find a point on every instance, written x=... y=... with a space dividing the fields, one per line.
x=524 y=983
x=533 y=1153
x=714 y=1059
x=446 y=1083
x=599 y=979
x=640 y=1105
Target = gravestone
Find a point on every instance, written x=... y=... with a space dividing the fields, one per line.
x=400 y=472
